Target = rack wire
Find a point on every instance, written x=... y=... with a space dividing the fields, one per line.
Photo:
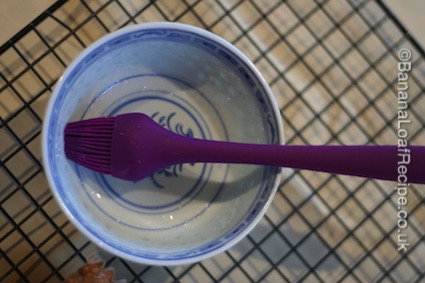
x=333 y=67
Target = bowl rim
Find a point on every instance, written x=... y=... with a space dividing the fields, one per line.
x=159 y=25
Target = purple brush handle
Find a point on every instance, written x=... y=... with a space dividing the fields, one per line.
x=162 y=148
x=378 y=162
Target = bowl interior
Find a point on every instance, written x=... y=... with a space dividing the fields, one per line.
x=192 y=83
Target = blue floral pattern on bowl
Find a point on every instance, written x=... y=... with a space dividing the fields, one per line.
x=112 y=213
x=167 y=122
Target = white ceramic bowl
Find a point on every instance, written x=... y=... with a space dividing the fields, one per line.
x=194 y=83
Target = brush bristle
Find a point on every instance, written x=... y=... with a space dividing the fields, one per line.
x=89 y=143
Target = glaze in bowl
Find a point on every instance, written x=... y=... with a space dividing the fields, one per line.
x=191 y=82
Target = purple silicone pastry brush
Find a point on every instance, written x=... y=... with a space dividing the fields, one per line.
x=133 y=146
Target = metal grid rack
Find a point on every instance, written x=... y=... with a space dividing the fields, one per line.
x=333 y=68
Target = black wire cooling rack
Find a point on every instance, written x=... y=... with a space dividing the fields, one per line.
x=333 y=67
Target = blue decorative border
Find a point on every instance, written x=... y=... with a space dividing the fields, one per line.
x=184 y=37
